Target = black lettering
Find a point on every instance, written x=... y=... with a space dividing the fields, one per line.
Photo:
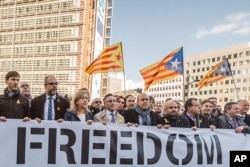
x=140 y=154
x=21 y=138
x=126 y=161
x=190 y=151
x=36 y=131
x=52 y=146
x=157 y=151
x=218 y=148
x=199 y=149
x=113 y=147
x=170 y=148
x=85 y=147
x=67 y=147
x=210 y=156
x=101 y=133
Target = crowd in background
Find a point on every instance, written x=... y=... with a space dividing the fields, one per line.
x=17 y=103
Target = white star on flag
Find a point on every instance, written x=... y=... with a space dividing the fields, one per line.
x=222 y=69
x=175 y=63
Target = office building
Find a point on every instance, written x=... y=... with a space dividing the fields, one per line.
x=51 y=37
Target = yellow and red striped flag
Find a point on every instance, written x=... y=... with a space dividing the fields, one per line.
x=171 y=66
x=110 y=60
x=218 y=72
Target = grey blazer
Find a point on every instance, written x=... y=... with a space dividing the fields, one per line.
x=102 y=116
x=224 y=122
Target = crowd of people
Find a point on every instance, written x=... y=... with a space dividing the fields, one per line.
x=17 y=103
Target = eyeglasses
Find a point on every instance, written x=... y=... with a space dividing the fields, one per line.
x=98 y=102
x=144 y=99
x=121 y=102
x=22 y=86
x=52 y=83
x=131 y=101
x=110 y=101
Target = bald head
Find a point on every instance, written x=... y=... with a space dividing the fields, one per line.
x=244 y=106
x=170 y=108
x=143 y=101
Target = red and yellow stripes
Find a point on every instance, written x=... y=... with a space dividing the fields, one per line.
x=210 y=77
x=110 y=60
x=158 y=72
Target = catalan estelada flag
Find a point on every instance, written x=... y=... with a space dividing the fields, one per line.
x=171 y=66
x=110 y=60
x=218 y=72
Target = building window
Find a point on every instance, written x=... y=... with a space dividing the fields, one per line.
x=225 y=99
x=235 y=55
x=247 y=53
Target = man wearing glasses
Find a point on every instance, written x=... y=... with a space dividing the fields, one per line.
x=109 y=114
x=25 y=90
x=49 y=105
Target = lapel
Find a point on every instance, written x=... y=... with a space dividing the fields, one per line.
x=103 y=116
x=119 y=118
x=229 y=122
x=57 y=104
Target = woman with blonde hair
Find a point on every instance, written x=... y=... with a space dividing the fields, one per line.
x=79 y=108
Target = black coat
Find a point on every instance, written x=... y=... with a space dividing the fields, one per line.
x=37 y=107
x=14 y=106
x=71 y=116
x=133 y=117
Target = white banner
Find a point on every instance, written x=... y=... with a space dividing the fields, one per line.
x=50 y=143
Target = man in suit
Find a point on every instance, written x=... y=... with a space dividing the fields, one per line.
x=142 y=114
x=109 y=114
x=49 y=105
x=190 y=117
x=230 y=119
x=244 y=108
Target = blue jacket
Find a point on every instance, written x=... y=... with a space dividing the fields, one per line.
x=71 y=116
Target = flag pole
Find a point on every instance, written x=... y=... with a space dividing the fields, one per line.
x=183 y=78
x=233 y=79
x=124 y=81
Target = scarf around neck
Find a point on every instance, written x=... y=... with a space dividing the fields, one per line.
x=144 y=115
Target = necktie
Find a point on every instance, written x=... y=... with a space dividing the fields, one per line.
x=50 y=109
x=235 y=123
x=112 y=117
x=145 y=120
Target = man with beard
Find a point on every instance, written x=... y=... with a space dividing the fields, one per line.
x=49 y=105
x=158 y=109
x=170 y=113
